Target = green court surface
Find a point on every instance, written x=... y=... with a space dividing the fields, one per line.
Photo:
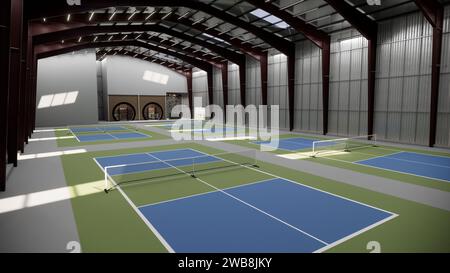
x=65 y=138
x=107 y=222
x=347 y=160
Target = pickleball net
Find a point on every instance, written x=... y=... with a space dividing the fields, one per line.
x=158 y=170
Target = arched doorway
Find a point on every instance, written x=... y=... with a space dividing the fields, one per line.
x=152 y=111
x=124 y=111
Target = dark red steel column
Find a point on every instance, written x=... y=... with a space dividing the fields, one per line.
x=22 y=138
x=210 y=76
x=5 y=17
x=434 y=13
x=28 y=104
x=325 y=85
x=243 y=83
x=264 y=69
x=189 y=87
x=225 y=89
x=372 y=67
x=291 y=86
x=14 y=79
x=34 y=71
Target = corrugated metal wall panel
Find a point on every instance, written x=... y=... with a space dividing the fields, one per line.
x=355 y=96
x=403 y=79
x=410 y=96
x=356 y=59
x=423 y=128
x=393 y=126
x=424 y=94
x=395 y=94
x=363 y=102
x=380 y=124
x=408 y=127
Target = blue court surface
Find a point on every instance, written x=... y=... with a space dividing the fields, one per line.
x=428 y=166
x=292 y=144
x=274 y=215
x=97 y=129
x=110 y=136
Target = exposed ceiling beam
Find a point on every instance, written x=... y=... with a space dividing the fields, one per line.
x=83 y=19
x=89 y=30
x=366 y=26
x=42 y=50
x=318 y=37
x=35 y=10
x=152 y=60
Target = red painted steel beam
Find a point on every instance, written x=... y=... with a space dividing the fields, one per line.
x=371 y=79
x=243 y=84
x=43 y=51
x=33 y=92
x=225 y=89
x=264 y=77
x=91 y=30
x=291 y=87
x=52 y=8
x=82 y=20
x=14 y=79
x=190 y=96
x=367 y=27
x=326 y=86
x=168 y=65
x=318 y=37
x=5 y=21
x=434 y=12
x=209 y=77
x=22 y=125
x=29 y=104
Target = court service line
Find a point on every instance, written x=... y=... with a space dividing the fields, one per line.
x=204 y=193
x=329 y=193
x=251 y=206
x=346 y=238
x=369 y=166
x=401 y=159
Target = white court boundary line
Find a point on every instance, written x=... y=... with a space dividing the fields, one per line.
x=143 y=218
x=285 y=140
x=327 y=245
x=70 y=130
x=346 y=238
x=401 y=159
x=251 y=206
x=405 y=151
x=204 y=193
x=383 y=169
x=158 y=151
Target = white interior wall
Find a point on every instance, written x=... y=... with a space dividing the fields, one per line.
x=125 y=77
x=67 y=90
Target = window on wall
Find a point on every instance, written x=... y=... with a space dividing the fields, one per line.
x=57 y=99
x=124 y=111
x=155 y=77
x=152 y=111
